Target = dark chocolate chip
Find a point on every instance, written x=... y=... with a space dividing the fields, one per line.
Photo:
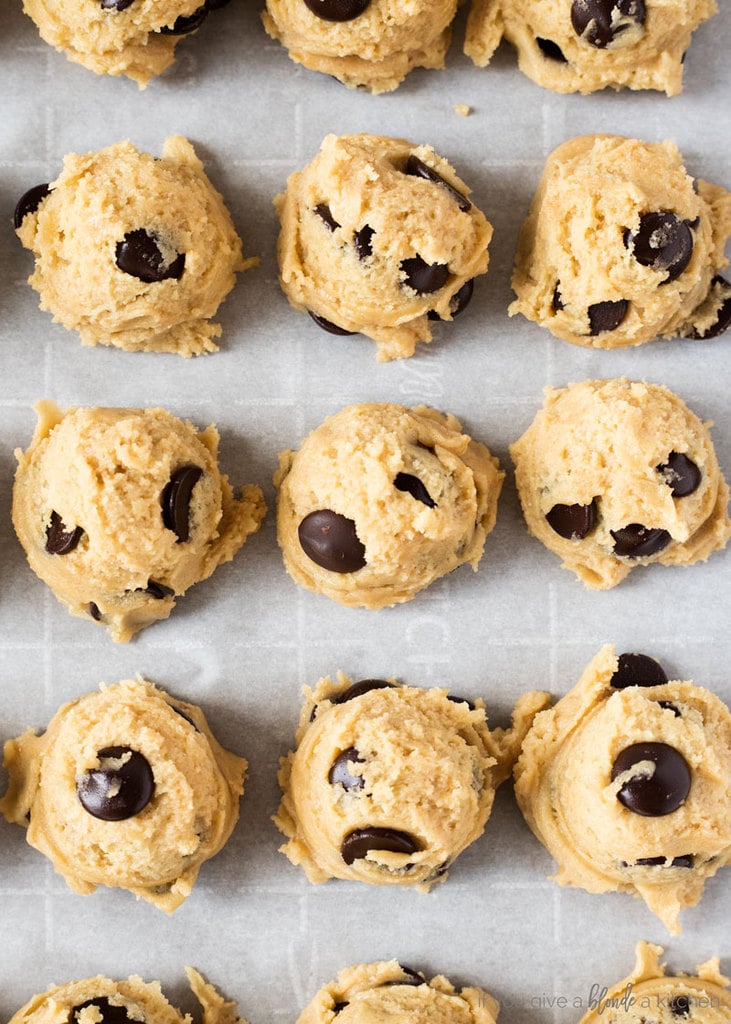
x=115 y=793
x=663 y=242
x=459 y=301
x=606 y=316
x=110 y=1013
x=724 y=315
x=328 y=326
x=638 y=670
x=357 y=843
x=551 y=50
x=681 y=474
x=139 y=256
x=341 y=773
x=638 y=541
x=424 y=277
x=412 y=978
x=185 y=715
x=29 y=202
x=331 y=541
x=323 y=212
x=158 y=590
x=215 y=5
x=363 y=241
x=337 y=1007
x=598 y=21
x=573 y=522
x=668 y=705
x=115 y=5
x=412 y=485
x=94 y=612
x=185 y=23
x=418 y=169
x=460 y=700
x=660 y=792
x=175 y=501
x=556 y=301
x=337 y=10
x=361 y=687
x=684 y=861
x=680 y=1005
x=60 y=540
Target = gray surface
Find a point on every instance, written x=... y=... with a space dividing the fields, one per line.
x=244 y=643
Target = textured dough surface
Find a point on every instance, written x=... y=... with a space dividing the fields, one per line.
x=157 y=853
x=97 y=200
x=640 y=56
x=429 y=767
x=574 y=252
x=105 y=471
x=362 y=181
x=372 y=993
x=604 y=441
x=375 y=50
x=348 y=465
x=564 y=788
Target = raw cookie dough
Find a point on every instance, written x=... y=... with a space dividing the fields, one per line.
x=621 y=246
x=127 y=787
x=590 y=44
x=371 y=44
x=649 y=994
x=100 y=1000
x=121 y=510
x=369 y=993
x=613 y=474
x=381 y=500
x=627 y=782
x=378 y=237
x=131 y=250
x=388 y=783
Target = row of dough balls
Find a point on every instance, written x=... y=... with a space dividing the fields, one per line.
x=626 y=781
x=578 y=46
x=120 y=511
x=379 y=237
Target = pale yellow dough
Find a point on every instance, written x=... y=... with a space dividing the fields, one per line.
x=649 y=993
x=348 y=466
x=605 y=442
x=564 y=788
x=377 y=992
x=375 y=50
x=157 y=853
x=429 y=767
x=97 y=200
x=362 y=181
x=574 y=249
x=640 y=56
x=104 y=471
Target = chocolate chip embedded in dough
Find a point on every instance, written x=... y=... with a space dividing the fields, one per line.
x=724 y=315
x=638 y=670
x=110 y=1014
x=680 y=1005
x=684 y=861
x=599 y=22
x=361 y=687
x=138 y=255
x=175 y=501
x=460 y=700
x=337 y=10
x=59 y=539
x=363 y=241
x=158 y=590
x=659 y=791
x=323 y=212
x=412 y=978
x=328 y=326
x=556 y=301
x=331 y=541
x=184 y=715
x=115 y=5
x=424 y=277
x=29 y=202
x=638 y=541
x=186 y=23
x=412 y=485
x=573 y=522
x=337 y=1007
x=459 y=301
x=359 y=842
x=668 y=705
x=94 y=612
x=681 y=474
x=116 y=792
x=663 y=242
x=551 y=50
x=418 y=169
x=606 y=316
x=340 y=771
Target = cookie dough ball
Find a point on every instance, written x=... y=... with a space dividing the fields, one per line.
x=127 y=787
x=621 y=246
x=119 y=511
x=585 y=45
x=388 y=783
x=372 y=44
x=381 y=500
x=613 y=474
x=378 y=237
x=387 y=991
x=131 y=250
x=701 y=999
x=627 y=783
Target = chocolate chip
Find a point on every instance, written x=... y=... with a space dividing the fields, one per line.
x=411 y=978
x=185 y=23
x=337 y=1007
x=358 y=843
x=638 y=670
x=116 y=792
x=215 y=5
x=684 y=861
x=681 y=474
x=361 y=687
x=551 y=50
x=175 y=501
x=418 y=169
x=340 y=772
x=460 y=700
x=680 y=1005
x=183 y=714
x=459 y=301
x=158 y=590
x=29 y=202
x=115 y=5
x=599 y=22
x=424 y=277
x=337 y=10
x=328 y=326
x=139 y=256
x=653 y=794
x=556 y=301
x=94 y=612
x=60 y=540
x=363 y=241
x=331 y=541
x=110 y=1014
x=412 y=485
x=638 y=541
x=573 y=522
x=606 y=316
x=724 y=314
x=323 y=212
x=663 y=242
x=669 y=706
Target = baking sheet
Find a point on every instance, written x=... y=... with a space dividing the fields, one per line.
x=243 y=643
